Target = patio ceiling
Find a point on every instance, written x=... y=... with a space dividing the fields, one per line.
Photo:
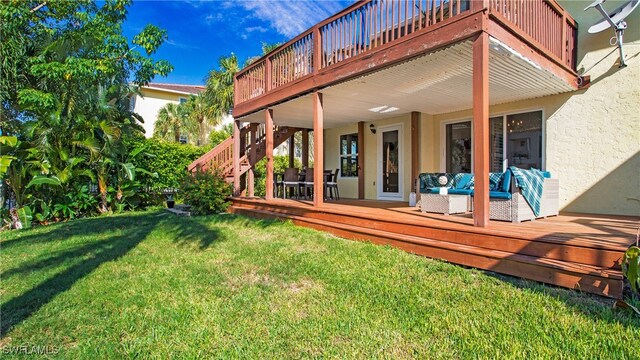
x=436 y=83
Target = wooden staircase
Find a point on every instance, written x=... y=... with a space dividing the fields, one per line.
x=221 y=156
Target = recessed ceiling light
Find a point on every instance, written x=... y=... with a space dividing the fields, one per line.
x=378 y=109
x=389 y=109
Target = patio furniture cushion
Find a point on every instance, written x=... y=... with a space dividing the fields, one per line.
x=450 y=191
x=500 y=195
x=494 y=181
x=461 y=180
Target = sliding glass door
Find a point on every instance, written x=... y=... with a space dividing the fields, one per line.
x=514 y=140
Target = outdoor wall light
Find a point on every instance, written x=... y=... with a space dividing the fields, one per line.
x=372 y=128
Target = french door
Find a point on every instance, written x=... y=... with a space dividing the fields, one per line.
x=390 y=163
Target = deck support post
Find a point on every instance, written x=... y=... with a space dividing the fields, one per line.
x=481 y=129
x=268 y=134
x=415 y=148
x=305 y=148
x=318 y=153
x=253 y=129
x=361 y=160
x=292 y=150
x=236 y=158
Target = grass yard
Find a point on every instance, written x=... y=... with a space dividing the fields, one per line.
x=154 y=285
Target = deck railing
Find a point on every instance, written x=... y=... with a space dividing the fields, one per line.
x=370 y=24
x=377 y=23
x=545 y=22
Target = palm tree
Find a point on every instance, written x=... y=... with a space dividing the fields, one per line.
x=172 y=122
x=195 y=109
x=219 y=92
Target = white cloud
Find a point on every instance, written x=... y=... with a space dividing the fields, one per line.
x=290 y=18
x=180 y=45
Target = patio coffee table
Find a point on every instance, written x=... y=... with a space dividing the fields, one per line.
x=444 y=204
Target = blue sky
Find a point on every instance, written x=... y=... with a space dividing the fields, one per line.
x=200 y=32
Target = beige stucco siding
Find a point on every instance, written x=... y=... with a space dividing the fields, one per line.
x=150 y=103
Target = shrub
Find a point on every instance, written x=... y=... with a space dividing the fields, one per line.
x=168 y=159
x=206 y=192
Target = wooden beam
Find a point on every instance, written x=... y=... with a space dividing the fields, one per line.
x=361 y=160
x=236 y=158
x=415 y=148
x=305 y=148
x=318 y=154
x=292 y=150
x=268 y=133
x=253 y=129
x=481 y=129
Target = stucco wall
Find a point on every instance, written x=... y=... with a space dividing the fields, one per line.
x=150 y=103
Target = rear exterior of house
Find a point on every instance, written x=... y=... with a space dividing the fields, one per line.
x=154 y=96
x=589 y=139
x=387 y=90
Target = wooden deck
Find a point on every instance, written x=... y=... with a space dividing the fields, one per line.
x=576 y=251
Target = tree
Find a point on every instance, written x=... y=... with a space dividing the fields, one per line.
x=219 y=87
x=218 y=136
x=195 y=109
x=170 y=123
x=64 y=81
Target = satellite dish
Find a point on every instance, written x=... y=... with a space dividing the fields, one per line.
x=615 y=20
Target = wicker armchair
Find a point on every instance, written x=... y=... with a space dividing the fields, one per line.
x=517 y=209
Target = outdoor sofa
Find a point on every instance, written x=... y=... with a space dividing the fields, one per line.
x=506 y=199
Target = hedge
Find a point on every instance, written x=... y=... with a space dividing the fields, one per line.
x=169 y=160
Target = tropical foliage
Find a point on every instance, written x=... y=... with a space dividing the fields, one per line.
x=206 y=192
x=66 y=76
x=196 y=116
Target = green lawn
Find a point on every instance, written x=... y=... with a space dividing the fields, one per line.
x=154 y=285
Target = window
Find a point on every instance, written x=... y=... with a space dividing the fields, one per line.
x=132 y=103
x=182 y=100
x=349 y=155
x=524 y=140
x=514 y=140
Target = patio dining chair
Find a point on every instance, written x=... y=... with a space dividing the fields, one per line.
x=331 y=184
x=277 y=184
x=307 y=184
x=290 y=180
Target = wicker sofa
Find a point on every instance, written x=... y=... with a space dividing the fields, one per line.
x=516 y=208
x=506 y=201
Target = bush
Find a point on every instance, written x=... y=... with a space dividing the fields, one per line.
x=168 y=159
x=206 y=192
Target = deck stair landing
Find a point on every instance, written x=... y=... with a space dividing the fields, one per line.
x=560 y=251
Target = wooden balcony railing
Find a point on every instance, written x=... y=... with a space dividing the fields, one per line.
x=545 y=22
x=371 y=24
x=376 y=23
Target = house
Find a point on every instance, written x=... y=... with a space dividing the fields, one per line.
x=154 y=96
x=398 y=88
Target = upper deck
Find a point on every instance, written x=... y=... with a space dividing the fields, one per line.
x=373 y=34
